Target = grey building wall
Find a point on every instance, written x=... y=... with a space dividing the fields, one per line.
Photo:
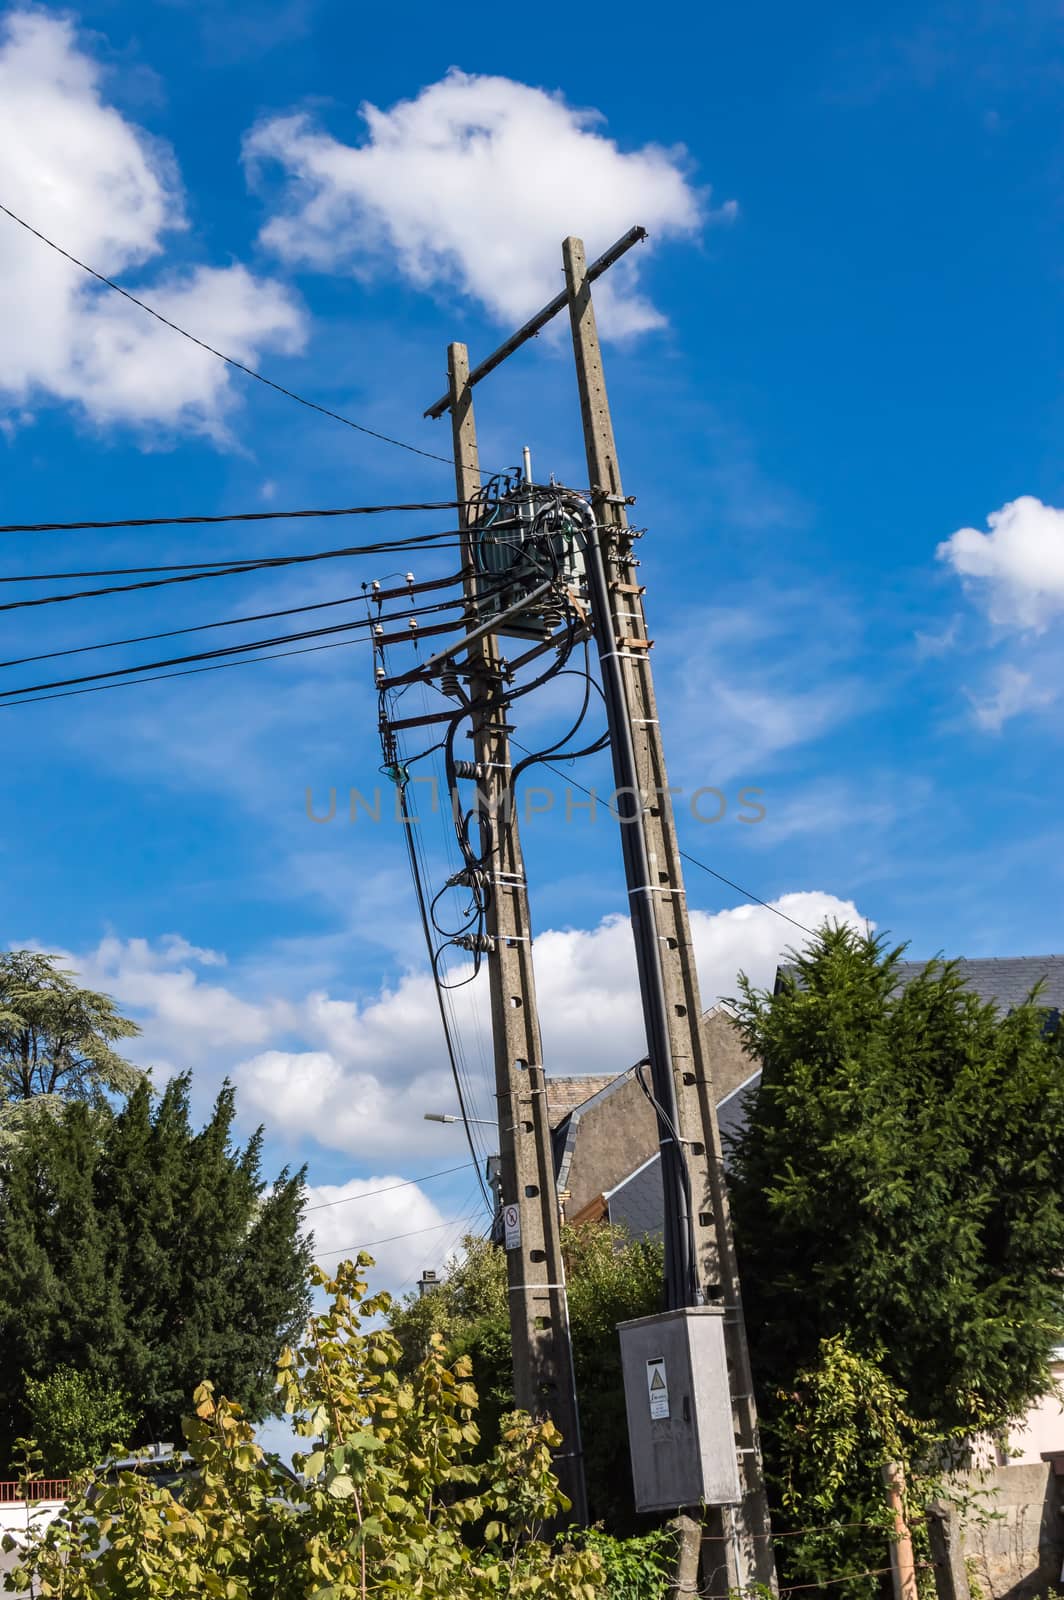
x=605 y=1138
x=1016 y=1552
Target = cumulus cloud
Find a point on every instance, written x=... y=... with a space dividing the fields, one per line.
x=401 y=1226
x=474 y=183
x=379 y=1066
x=357 y=1075
x=75 y=168
x=185 y=1018
x=1016 y=571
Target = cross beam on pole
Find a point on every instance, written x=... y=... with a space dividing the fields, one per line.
x=532 y=327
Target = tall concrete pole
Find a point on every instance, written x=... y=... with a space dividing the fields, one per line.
x=544 y=1381
x=697 y=1217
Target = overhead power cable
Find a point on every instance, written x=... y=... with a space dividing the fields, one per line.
x=237 y=569
x=227 y=516
x=359 y=624
x=187 y=672
x=747 y=894
x=391 y=1238
x=369 y=1194
x=240 y=366
x=231 y=622
x=412 y=541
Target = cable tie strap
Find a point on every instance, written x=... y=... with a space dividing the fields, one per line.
x=656 y=888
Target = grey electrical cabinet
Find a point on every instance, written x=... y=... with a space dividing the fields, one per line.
x=680 y=1430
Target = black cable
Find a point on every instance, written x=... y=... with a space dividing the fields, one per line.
x=228 y=516
x=682 y=1286
x=419 y=892
x=189 y=672
x=224 y=650
x=260 y=565
x=685 y=1167
x=312 y=405
x=747 y=894
x=433 y=1227
x=226 y=622
x=371 y=1194
x=413 y=541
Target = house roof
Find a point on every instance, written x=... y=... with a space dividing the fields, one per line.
x=1005 y=980
x=638 y=1201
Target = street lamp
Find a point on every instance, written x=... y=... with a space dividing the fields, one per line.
x=444 y=1116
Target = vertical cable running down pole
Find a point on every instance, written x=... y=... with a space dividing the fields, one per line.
x=544 y=1380
x=655 y=881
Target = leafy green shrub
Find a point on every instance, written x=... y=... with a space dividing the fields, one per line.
x=611 y=1278
x=638 y=1568
x=75 y=1418
x=388 y=1500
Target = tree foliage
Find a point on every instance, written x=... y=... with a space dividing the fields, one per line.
x=898 y=1198
x=610 y=1278
x=75 y=1418
x=140 y=1251
x=389 y=1500
x=57 y=1040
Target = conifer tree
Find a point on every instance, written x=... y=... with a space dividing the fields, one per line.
x=142 y=1252
x=898 y=1200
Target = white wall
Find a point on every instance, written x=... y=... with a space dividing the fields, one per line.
x=1042 y=1429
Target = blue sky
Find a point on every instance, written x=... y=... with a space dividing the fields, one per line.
x=839 y=350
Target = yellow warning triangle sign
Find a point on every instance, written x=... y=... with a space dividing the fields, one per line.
x=657 y=1381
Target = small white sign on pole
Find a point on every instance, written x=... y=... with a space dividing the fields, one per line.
x=658 y=1388
x=511 y=1227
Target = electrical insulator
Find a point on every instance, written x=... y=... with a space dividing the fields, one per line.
x=477 y=943
x=450 y=684
x=412 y=624
x=410 y=577
x=375 y=586
x=378 y=630
x=468 y=769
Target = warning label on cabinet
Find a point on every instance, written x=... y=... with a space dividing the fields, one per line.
x=658 y=1388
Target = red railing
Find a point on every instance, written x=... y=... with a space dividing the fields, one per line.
x=40 y=1489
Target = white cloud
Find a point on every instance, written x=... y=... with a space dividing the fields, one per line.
x=358 y=1075
x=402 y=1227
x=1015 y=691
x=474 y=183
x=185 y=1019
x=379 y=1066
x=1017 y=569
x=75 y=168
x=744 y=685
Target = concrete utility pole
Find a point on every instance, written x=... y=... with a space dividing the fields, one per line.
x=544 y=1380
x=700 y=1256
